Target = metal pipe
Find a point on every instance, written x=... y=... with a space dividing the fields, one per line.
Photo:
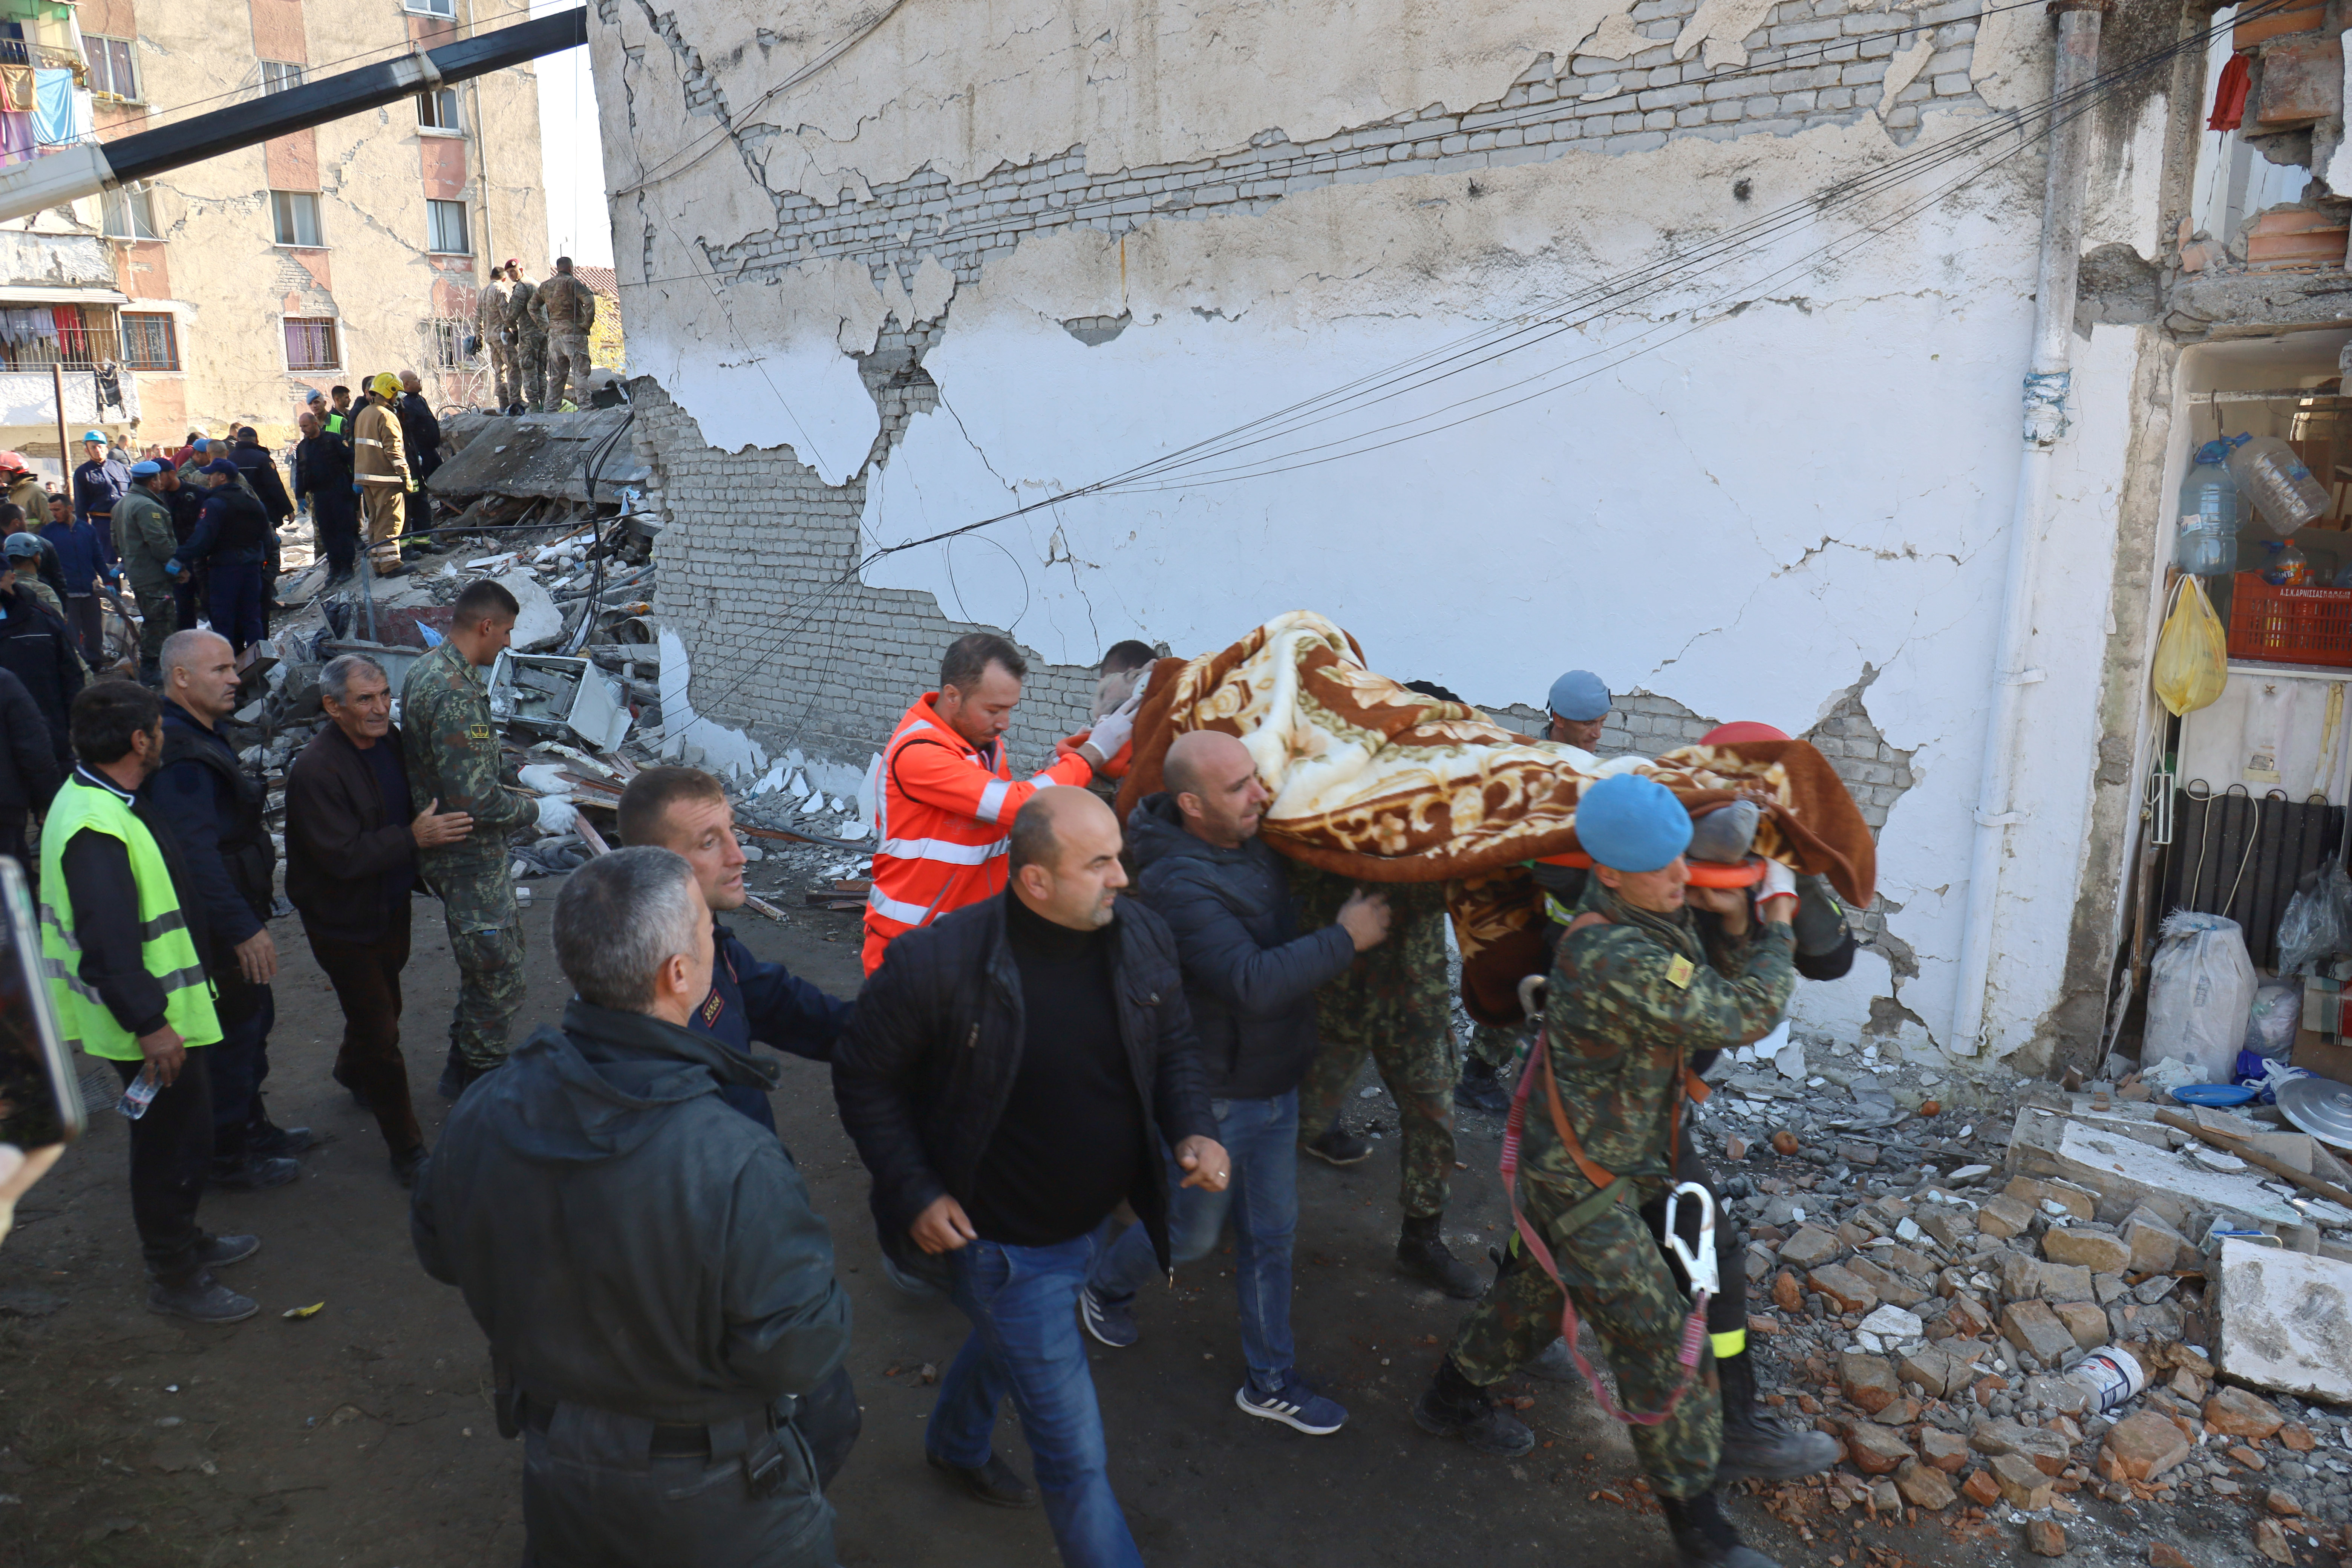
x=2046 y=379
x=65 y=453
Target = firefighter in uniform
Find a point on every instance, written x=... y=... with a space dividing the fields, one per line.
x=946 y=793
x=379 y=473
x=1639 y=985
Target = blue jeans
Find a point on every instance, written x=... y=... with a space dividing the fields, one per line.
x=1262 y=1138
x=1023 y=1302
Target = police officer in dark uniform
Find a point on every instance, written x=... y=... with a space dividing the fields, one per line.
x=231 y=538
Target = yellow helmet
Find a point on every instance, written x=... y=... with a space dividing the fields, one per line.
x=386 y=385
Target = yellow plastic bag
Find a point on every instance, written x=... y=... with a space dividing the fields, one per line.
x=2192 y=657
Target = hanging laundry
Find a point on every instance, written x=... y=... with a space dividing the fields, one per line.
x=62 y=114
x=17 y=141
x=2229 y=96
x=108 y=383
x=17 y=90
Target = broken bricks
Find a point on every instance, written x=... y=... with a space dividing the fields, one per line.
x=2142 y=1447
x=1925 y=1485
x=2034 y=1328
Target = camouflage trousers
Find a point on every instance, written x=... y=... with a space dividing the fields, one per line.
x=530 y=370
x=486 y=939
x=1393 y=1004
x=158 y=611
x=1494 y=1048
x=1620 y=1279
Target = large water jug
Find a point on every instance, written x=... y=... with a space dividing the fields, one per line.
x=2283 y=493
x=2211 y=508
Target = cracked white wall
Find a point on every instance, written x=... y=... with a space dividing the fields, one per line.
x=1801 y=480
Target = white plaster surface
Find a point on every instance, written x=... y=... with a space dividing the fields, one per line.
x=2286 y=1320
x=723 y=750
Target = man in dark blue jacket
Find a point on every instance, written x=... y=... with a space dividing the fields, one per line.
x=101 y=480
x=686 y=811
x=214 y=807
x=36 y=649
x=83 y=557
x=29 y=773
x=1250 y=980
x=231 y=538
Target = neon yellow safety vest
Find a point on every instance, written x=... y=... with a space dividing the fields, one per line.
x=165 y=946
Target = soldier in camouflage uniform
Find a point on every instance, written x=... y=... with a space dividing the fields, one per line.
x=1638 y=988
x=1395 y=1003
x=454 y=757
x=529 y=342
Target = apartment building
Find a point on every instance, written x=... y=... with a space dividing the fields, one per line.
x=241 y=284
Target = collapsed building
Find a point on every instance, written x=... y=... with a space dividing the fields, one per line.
x=1688 y=340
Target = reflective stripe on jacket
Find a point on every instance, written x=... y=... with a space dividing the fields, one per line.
x=946 y=811
x=165 y=946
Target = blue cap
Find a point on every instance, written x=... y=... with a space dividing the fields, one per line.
x=25 y=543
x=93 y=435
x=1629 y=823
x=220 y=466
x=146 y=469
x=1578 y=695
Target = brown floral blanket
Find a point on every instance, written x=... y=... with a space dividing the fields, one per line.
x=1376 y=781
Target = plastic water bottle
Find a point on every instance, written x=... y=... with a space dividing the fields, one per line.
x=2211 y=508
x=2286 y=567
x=141 y=1094
x=2281 y=491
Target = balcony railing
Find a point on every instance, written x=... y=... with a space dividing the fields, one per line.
x=24 y=52
x=32 y=338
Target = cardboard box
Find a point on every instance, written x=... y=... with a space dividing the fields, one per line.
x=2328 y=1058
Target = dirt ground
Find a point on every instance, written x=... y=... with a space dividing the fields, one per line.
x=363 y=1436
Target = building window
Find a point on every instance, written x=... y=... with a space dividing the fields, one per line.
x=129 y=211
x=111 y=72
x=448 y=335
x=296 y=213
x=430 y=7
x=150 y=342
x=310 y=343
x=437 y=110
x=445 y=227
x=281 y=76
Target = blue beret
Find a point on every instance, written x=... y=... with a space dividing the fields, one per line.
x=1578 y=695
x=1629 y=823
x=146 y=470
x=220 y=466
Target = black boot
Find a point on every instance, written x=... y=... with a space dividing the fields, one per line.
x=1756 y=1446
x=1705 y=1539
x=1453 y=1407
x=1481 y=1089
x=1421 y=1253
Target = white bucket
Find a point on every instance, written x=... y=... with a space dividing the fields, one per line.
x=2112 y=1374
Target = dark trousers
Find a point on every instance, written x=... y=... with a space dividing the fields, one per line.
x=171 y=1148
x=188 y=599
x=12 y=844
x=419 y=508
x=86 y=625
x=335 y=515
x=366 y=978
x=241 y=1061
x=233 y=595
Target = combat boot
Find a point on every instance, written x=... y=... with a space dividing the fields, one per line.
x=1481 y=1089
x=1422 y=1252
x=1705 y=1539
x=1756 y=1446
x=1453 y=1407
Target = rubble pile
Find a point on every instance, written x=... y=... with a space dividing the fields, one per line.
x=1935 y=1296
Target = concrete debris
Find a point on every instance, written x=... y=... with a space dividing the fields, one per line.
x=2286 y=1321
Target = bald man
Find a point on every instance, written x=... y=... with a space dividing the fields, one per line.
x=1009 y=1075
x=1250 y=981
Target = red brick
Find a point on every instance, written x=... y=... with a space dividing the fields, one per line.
x=2246 y=35
x=2302 y=80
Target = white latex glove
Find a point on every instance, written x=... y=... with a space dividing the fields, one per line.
x=1780 y=882
x=545 y=778
x=1117 y=728
x=557 y=814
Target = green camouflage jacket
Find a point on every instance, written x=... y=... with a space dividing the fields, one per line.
x=143 y=540
x=454 y=757
x=1630 y=1004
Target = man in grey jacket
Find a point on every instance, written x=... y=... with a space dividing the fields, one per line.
x=1250 y=981
x=656 y=1292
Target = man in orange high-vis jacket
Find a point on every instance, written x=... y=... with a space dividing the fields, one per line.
x=947 y=796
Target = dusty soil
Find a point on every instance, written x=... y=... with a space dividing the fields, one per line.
x=363 y=1436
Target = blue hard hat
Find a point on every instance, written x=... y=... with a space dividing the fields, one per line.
x=1578 y=695
x=1629 y=823
x=26 y=543
x=93 y=435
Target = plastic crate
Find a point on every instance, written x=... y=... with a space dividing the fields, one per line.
x=2289 y=625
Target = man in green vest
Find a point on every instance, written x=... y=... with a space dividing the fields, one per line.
x=120 y=939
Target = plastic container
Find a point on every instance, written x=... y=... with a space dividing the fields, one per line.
x=2289 y=625
x=140 y=1095
x=2270 y=1022
x=2213 y=509
x=2285 y=566
x=2111 y=1374
x=2274 y=481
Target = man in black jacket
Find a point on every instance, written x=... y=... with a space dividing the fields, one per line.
x=1250 y=981
x=1003 y=1077
x=260 y=471
x=656 y=1292
x=29 y=773
x=420 y=440
x=350 y=861
x=215 y=809
x=232 y=539
x=322 y=471
x=36 y=650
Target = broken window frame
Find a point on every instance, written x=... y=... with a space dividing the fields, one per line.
x=281 y=76
x=438 y=216
x=303 y=334
x=287 y=209
x=150 y=340
x=444 y=341
x=437 y=111
x=127 y=212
